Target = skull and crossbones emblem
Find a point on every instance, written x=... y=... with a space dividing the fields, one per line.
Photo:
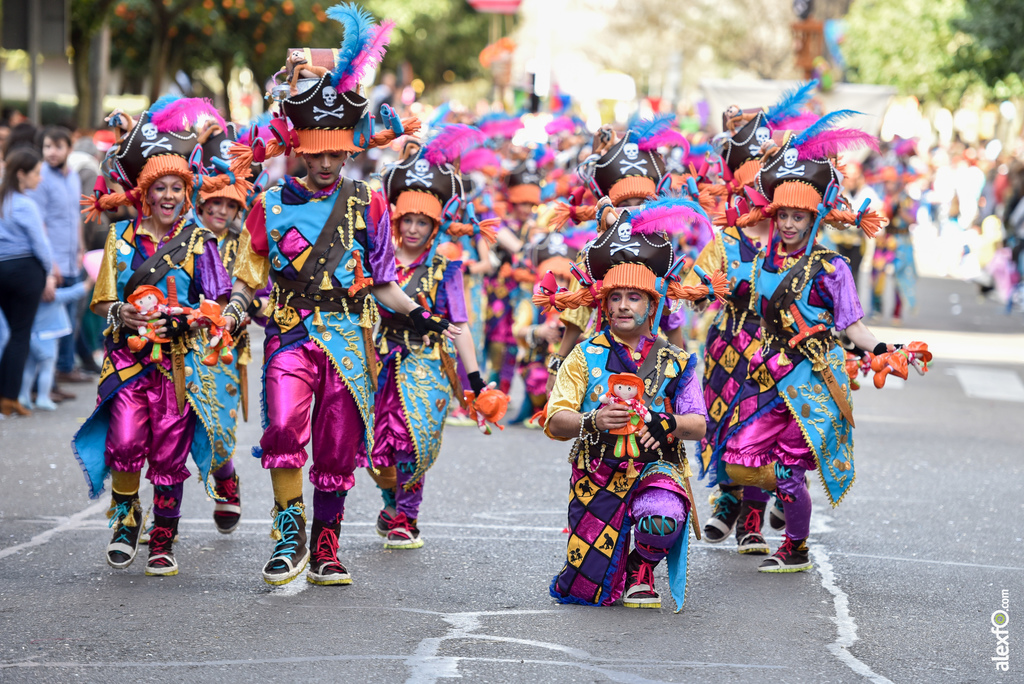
x=418 y=173
x=632 y=161
x=762 y=135
x=625 y=241
x=150 y=133
x=556 y=245
x=530 y=174
x=330 y=96
x=789 y=167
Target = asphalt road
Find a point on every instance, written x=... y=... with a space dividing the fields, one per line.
x=909 y=569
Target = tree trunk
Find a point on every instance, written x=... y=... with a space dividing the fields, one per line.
x=227 y=63
x=81 y=44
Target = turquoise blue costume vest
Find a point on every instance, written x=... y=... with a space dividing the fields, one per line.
x=336 y=322
x=665 y=367
x=797 y=374
x=424 y=387
x=121 y=367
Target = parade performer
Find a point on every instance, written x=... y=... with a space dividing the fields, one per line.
x=418 y=377
x=793 y=414
x=633 y=267
x=628 y=171
x=522 y=191
x=537 y=332
x=324 y=241
x=221 y=212
x=152 y=408
x=892 y=267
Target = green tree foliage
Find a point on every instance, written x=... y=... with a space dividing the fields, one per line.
x=909 y=44
x=995 y=51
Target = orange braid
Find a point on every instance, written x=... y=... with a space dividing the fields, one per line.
x=467 y=229
x=571 y=300
x=751 y=218
x=871 y=223
x=719 y=288
x=92 y=207
x=386 y=137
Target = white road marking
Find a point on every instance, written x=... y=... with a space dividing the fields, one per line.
x=990 y=383
x=70 y=524
x=846 y=628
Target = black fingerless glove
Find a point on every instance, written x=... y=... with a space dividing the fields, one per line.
x=476 y=383
x=177 y=327
x=661 y=426
x=423 y=321
x=255 y=308
x=880 y=348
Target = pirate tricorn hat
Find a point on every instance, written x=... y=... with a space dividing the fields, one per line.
x=798 y=175
x=524 y=181
x=749 y=133
x=635 y=252
x=321 y=108
x=549 y=252
x=216 y=144
x=159 y=144
x=625 y=168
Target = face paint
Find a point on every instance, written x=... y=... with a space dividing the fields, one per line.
x=639 y=318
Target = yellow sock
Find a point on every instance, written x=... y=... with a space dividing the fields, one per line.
x=125 y=483
x=287 y=483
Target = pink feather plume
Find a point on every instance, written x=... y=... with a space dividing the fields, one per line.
x=185 y=113
x=670 y=216
x=560 y=125
x=667 y=138
x=800 y=122
x=368 y=58
x=831 y=142
x=451 y=142
x=501 y=129
x=478 y=159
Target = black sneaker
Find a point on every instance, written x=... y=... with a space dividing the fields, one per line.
x=723 y=515
x=161 y=561
x=792 y=556
x=748 y=529
x=228 y=513
x=383 y=522
x=640 y=591
x=777 y=516
x=403 y=533
x=324 y=567
x=290 y=553
x=127 y=519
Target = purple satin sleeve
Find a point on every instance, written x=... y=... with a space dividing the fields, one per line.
x=690 y=399
x=843 y=290
x=674 y=319
x=213 y=277
x=456 y=296
x=382 y=253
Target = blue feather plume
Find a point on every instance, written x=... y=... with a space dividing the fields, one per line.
x=163 y=102
x=359 y=33
x=791 y=102
x=648 y=128
x=824 y=123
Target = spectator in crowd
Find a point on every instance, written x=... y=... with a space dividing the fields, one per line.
x=26 y=261
x=58 y=197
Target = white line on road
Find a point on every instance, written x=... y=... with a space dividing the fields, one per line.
x=69 y=524
x=990 y=383
x=846 y=628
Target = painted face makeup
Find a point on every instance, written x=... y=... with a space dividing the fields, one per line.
x=793 y=226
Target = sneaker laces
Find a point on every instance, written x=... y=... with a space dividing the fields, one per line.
x=160 y=542
x=326 y=551
x=723 y=503
x=753 y=522
x=786 y=549
x=228 y=489
x=644 y=575
x=286 y=523
x=400 y=525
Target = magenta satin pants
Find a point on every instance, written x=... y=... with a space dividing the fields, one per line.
x=145 y=427
x=294 y=378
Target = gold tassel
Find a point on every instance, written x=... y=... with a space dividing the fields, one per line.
x=325 y=284
x=317 y=321
x=129 y=520
x=783 y=359
x=631 y=472
x=828 y=267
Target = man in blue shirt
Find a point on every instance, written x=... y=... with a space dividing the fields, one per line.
x=58 y=198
